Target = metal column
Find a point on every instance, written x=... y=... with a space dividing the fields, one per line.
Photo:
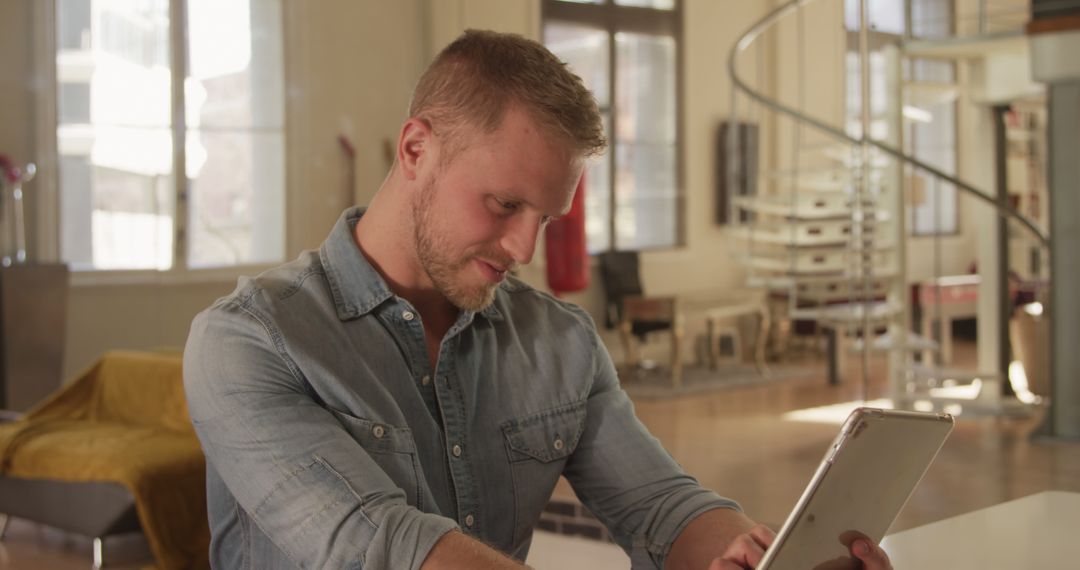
x=1064 y=174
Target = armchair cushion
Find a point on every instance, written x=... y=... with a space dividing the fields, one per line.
x=123 y=420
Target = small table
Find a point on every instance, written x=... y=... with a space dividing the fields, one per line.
x=940 y=302
x=1037 y=531
x=711 y=306
x=715 y=309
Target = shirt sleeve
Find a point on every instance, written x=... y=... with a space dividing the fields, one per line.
x=293 y=468
x=624 y=476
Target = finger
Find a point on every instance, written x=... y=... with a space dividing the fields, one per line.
x=763 y=535
x=871 y=555
x=748 y=550
x=721 y=564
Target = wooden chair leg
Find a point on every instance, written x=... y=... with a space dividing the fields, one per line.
x=759 y=345
x=4 y=520
x=713 y=342
x=676 y=357
x=99 y=552
x=629 y=348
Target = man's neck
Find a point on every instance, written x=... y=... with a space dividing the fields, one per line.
x=388 y=248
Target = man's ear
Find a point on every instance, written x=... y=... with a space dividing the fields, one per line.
x=414 y=146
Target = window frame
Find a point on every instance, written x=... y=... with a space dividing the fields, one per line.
x=47 y=121
x=613 y=18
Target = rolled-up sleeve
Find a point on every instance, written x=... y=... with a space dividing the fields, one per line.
x=625 y=477
x=288 y=462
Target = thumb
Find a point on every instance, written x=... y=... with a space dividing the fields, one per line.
x=721 y=564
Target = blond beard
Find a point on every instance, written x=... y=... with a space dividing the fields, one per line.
x=439 y=263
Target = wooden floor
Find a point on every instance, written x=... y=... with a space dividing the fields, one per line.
x=737 y=442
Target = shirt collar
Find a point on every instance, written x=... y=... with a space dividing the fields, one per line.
x=356 y=286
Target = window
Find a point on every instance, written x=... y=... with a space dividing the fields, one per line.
x=137 y=104
x=627 y=52
x=929 y=107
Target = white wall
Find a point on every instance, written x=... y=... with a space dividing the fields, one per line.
x=350 y=68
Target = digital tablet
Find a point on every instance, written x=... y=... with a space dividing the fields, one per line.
x=867 y=475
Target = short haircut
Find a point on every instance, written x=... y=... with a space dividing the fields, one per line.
x=479 y=75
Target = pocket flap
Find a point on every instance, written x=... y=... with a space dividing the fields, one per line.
x=546 y=436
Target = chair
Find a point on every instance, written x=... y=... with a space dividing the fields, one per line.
x=111 y=452
x=635 y=314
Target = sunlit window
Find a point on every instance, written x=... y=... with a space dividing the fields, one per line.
x=627 y=53
x=153 y=177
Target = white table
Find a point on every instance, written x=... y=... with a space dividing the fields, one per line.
x=1038 y=531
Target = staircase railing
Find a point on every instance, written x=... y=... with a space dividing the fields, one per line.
x=748 y=38
x=863 y=141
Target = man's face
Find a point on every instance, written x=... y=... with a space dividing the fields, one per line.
x=478 y=216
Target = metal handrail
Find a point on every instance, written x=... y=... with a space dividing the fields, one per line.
x=760 y=27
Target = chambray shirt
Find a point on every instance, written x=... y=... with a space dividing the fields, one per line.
x=332 y=443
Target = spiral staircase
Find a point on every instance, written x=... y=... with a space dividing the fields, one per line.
x=827 y=227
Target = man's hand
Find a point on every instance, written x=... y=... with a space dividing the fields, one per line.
x=872 y=556
x=746 y=550
x=723 y=539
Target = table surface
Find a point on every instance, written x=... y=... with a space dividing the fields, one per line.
x=1037 y=531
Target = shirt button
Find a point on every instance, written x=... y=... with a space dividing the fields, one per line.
x=469 y=520
x=408 y=315
x=558 y=444
x=378 y=431
x=456 y=451
x=425 y=380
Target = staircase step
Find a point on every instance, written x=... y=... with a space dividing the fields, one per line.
x=807 y=206
x=941 y=376
x=849 y=313
x=847 y=158
x=830 y=179
x=798 y=235
x=968 y=47
x=840 y=279
x=818 y=260
x=885 y=342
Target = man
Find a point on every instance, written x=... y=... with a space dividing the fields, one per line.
x=396 y=400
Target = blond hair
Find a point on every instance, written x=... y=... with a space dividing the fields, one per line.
x=479 y=75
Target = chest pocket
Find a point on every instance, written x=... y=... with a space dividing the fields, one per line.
x=537 y=447
x=392 y=448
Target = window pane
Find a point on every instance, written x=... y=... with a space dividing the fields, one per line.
x=235 y=64
x=236 y=150
x=598 y=199
x=883 y=15
x=115 y=218
x=113 y=137
x=646 y=192
x=931 y=18
x=657 y=4
x=646 y=197
x=236 y=213
x=585 y=50
x=645 y=74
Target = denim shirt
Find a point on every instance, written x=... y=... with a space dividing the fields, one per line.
x=332 y=443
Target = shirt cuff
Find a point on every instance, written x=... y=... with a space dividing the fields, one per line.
x=653 y=550
x=405 y=537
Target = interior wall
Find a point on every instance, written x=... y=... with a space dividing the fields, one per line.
x=343 y=78
x=350 y=67
x=16 y=88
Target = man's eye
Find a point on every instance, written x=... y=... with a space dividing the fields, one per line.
x=507 y=206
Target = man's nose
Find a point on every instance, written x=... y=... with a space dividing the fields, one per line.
x=520 y=238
